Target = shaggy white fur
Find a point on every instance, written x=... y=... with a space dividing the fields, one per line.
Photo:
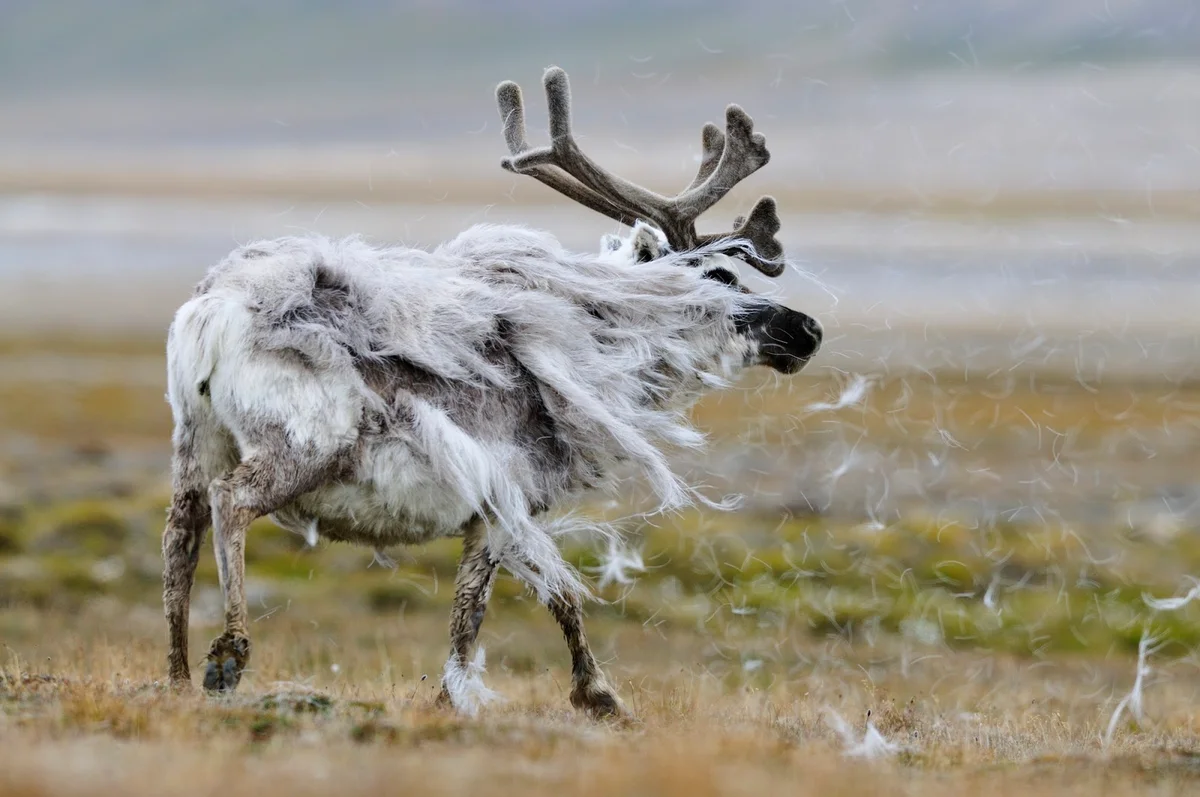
x=280 y=335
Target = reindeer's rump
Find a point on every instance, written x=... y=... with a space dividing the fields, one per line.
x=491 y=376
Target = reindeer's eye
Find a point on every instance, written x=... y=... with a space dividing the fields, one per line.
x=722 y=275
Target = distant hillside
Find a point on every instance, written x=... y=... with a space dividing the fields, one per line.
x=71 y=45
x=954 y=75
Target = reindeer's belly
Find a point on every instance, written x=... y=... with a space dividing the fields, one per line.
x=396 y=496
x=363 y=515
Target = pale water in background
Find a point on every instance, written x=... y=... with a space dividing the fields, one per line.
x=1106 y=287
x=1093 y=297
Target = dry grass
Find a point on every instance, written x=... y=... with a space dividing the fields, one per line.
x=988 y=651
x=85 y=715
x=728 y=702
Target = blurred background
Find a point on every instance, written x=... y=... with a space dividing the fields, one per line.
x=991 y=206
x=1016 y=180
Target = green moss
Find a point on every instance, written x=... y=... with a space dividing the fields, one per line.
x=267 y=543
x=438 y=556
x=260 y=724
x=262 y=728
x=11 y=541
x=88 y=528
x=373 y=730
x=24 y=582
x=58 y=582
x=395 y=595
x=923 y=578
x=296 y=702
x=508 y=590
x=285 y=567
x=520 y=663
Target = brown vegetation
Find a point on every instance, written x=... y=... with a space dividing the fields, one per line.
x=990 y=652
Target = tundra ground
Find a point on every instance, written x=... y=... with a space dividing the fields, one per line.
x=937 y=584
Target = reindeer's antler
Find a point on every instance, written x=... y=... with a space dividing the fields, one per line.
x=512 y=111
x=728 y=158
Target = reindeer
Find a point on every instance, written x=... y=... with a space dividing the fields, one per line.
x=387 y=396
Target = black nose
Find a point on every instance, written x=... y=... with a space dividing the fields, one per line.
x=787 y=338
x=813 y=329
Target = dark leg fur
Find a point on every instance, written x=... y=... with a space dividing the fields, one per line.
x=230 y=652
x=187 y=521
x=472 y=589
x=261 y=484
x=590 y=690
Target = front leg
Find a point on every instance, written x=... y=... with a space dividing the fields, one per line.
x=590 y=690
x=472 y=589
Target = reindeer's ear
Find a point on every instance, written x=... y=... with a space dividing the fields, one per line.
x=648 y=243
x=610 y=242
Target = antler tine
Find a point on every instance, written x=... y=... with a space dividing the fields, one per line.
x=564 y=152
x=761 y=226
x=713 y=142
x=512 y=112
x=760 y=229
x=744 y=152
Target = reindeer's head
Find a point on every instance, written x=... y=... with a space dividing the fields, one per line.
x=778 y=337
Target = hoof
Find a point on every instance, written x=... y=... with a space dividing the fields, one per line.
x=226 y=660
x=179 y=675
x=600 y=702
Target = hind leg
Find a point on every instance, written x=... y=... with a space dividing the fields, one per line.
x=187 y=520
x=195 y=452
x=273 y=476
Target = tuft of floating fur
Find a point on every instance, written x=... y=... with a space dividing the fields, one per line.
x=464 y=684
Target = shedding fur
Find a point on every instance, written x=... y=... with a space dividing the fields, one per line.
x=390 y=395
x=316 y=336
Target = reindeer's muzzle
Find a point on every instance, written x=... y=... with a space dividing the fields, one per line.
x=787 y=339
